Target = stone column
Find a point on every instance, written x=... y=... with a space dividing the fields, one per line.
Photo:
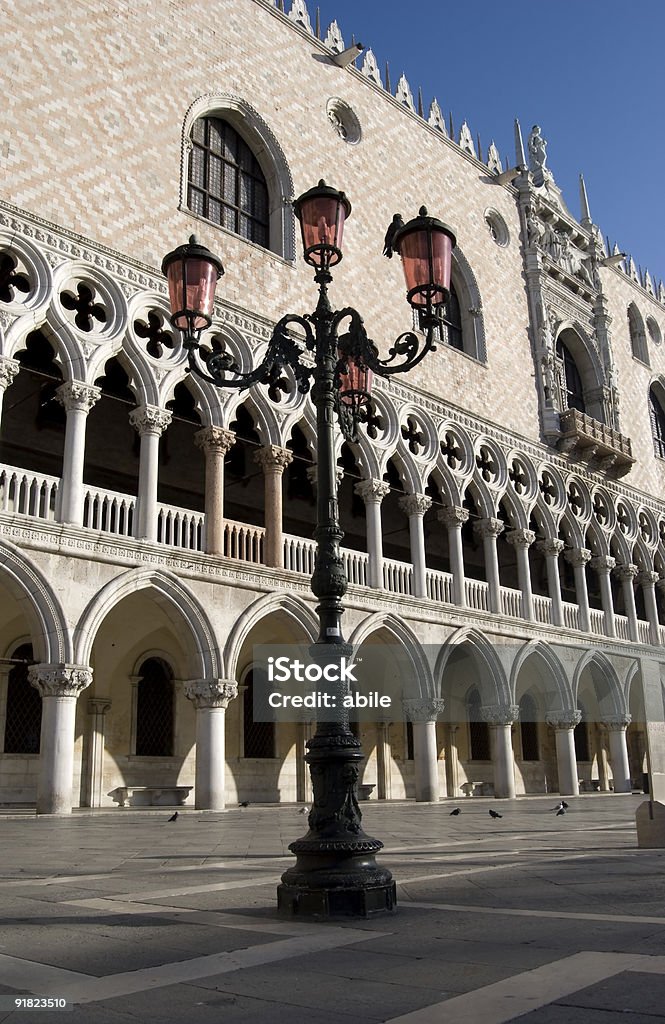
x=211 y=698
x=372 y=493
x=551 y=550
x=563 y=723
x=303 y=781
x=383 y=784
x=215 y=442
x=522 y=540
x=647 y=580
x=273 y=460
x=150 y=422
x=452 y=761
x=601 y=756
x=626 y=574
x=8 y=370
x=423 y=713
x=78 y=399
x=616 y=726
x=578 y=558
x=489 y=529
x=415 y=506
x=59 y=687
x=454 y=517
x=500 y=719
x=603 y=564
x=97 y=708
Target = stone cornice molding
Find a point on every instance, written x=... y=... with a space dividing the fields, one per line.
x=210 y=693
x=60 y=680
x=423 y=709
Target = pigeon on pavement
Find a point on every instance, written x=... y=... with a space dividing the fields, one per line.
x=458 y=810
x=174 y=817
x=562 y=810
x=494 y=814
x=244 y=803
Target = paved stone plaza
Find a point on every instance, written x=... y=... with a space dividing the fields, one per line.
x=133 y=918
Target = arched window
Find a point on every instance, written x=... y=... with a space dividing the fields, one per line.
x=529 y=728
x=657 y=417
x=258 y=737
x=572 y=381
x=154 y=710
x=461 y=321
x=23 y=721
x=637 y=332
x=226 y=184
x=451 y=331
x=479 y=732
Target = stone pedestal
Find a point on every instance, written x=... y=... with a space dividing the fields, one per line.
x=650 y=821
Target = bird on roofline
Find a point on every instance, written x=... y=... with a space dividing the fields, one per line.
x=393 y=228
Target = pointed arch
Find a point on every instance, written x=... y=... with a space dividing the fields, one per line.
x=561 y=697
x=409 y=642
x=49 y=631
x=294 y=608
x=493 y=684
x=605 y=682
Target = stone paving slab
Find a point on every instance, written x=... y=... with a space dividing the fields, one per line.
x=151 y=921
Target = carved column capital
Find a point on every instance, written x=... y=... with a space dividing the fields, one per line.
x=578 y=556
x=8 y=370
x=453 y=516
x=564 y=719
x=647 y=578
x=273 y=459
x=372 y=491
x=75 y=394
x=500 y=714
x=627 y=572
x=616 y=723
x=210 y=693
x=423 y=709
x=415 y=504
x=150 y=419
x=99 y=705
x=521 y=538
x=551 y=547
x=60 y=680
x=603 y=564
x=313 y=474
x=489 y=527
x=215 y=439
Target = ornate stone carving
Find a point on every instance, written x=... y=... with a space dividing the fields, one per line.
x=466 y=139
x=150 y=419
x=500 y=714
x=403 y=93
x=8 y=370
x=551 y=547
x=370 y=68
x=647 y=578
x=564 y=719
x=210 y=693
x=60 y=680
x=372 y=490
x=488 y=527
x=538 y=157
x=453 y=516
x=415 y=504
x=627 y=572
x=74 y=394
x=273 y=459
x=521 y=538
x=436 y=118
x=603 y=563
x=577 y=556
x=215 y=439
x=423 y=709
x=616 y=723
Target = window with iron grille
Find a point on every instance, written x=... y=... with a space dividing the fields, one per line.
x=258 y=737
x=479 y=731
x=657 y=417
x=154 y=710
x=226 y=184
x=449 y=328
x=23 y=721
x=529 y=728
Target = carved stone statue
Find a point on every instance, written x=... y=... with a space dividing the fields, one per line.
x=538 y=157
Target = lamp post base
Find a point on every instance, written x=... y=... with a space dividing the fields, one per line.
x=328 y=901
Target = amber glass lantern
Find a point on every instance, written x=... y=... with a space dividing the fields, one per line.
x=322 y=212
x=425 y=245
x=192 y=272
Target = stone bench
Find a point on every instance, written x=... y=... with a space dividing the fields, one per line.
x=477 y=788
x=151 y=796
x=364 y=792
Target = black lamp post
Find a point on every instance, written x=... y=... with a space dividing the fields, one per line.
x=335 y=871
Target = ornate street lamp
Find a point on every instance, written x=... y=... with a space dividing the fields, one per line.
x=335 y=871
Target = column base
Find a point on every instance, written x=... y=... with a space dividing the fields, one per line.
x=355 y=901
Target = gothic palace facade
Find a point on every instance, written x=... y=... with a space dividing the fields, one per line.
x=503 y=519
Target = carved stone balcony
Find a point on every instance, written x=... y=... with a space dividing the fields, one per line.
x=603 y=449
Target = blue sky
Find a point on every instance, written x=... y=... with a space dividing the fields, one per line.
x=589 y=72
